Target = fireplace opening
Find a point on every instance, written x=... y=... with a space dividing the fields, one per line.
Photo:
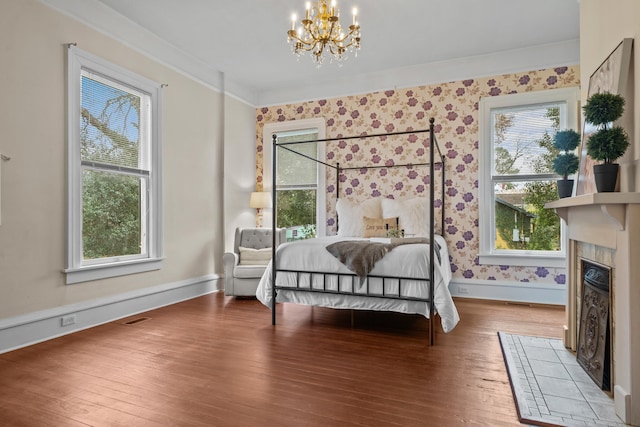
x=594 y=339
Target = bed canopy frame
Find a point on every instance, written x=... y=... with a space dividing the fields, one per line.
x=431 y=163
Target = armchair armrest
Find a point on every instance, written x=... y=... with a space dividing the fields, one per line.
x=230 y=260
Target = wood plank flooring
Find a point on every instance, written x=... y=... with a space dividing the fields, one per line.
x=217 y=361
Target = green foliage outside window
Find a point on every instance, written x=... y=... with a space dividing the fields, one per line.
x=297 y=208
x=111 y=220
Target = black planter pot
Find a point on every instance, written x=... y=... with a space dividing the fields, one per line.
x=565 y=188
x=606 y=176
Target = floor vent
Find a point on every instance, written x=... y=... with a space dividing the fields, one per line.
x=525 y=304
x=138 y=320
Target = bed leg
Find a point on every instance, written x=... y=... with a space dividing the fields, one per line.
x=431 y=329
x=273 y=312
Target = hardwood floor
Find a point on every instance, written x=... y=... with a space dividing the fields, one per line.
x=217 y=361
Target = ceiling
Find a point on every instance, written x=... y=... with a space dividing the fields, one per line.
x=240 y=45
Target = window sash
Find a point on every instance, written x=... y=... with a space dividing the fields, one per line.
x=144 y=116
x=143 y=213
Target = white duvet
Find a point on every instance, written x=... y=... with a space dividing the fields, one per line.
x=410 y=260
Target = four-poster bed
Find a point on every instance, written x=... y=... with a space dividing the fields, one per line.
x=410 y=275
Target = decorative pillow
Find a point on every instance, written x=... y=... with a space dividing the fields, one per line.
x=250 y=256
x=374 y=227
x=413 y=214
x=350 y=215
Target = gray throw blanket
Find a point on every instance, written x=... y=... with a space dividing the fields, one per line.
x=360 y=256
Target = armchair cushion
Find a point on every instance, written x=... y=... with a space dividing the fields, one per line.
x=248 y=271
x=251 y=256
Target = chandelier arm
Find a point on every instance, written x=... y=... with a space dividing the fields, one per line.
x=351 y=33
x=299 y=40
x=331 y=46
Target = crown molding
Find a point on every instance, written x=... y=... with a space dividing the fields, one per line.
x=105 y=20
x=473 y=67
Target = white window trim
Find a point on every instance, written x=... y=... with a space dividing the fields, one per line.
x=76 y=270
x=267 y=163
x=488 y=255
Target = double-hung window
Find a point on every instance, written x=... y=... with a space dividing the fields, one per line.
x=300 y=181
x=114 y=217
x=516 y=178
x=297 y=183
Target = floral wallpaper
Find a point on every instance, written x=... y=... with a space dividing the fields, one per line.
x=454 y=106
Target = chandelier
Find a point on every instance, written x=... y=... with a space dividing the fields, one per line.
x=321 y=32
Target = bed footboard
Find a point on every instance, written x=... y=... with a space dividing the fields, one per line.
x=373 y=286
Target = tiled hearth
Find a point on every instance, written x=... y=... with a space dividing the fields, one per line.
x=605 y=228
x=554 y=387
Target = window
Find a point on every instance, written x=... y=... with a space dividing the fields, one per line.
x=113 y=170
x=300 y=206
x=516 y=178
x=297 y=184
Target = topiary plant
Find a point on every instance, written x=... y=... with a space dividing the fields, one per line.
x=609 y=142
x=566 y=163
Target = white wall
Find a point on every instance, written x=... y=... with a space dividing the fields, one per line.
x=33 y=42
x=239 y=167
x=603 y=25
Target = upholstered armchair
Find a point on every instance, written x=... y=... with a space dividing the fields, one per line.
x=244 y=267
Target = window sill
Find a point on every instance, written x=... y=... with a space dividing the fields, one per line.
x=105 y=271
x=525 y=259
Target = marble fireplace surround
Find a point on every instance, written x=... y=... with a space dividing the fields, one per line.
x=605 y=228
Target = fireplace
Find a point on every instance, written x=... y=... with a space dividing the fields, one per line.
x=605 y=228
x=594 y=339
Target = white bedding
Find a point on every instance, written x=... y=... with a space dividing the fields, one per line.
x=403 y=261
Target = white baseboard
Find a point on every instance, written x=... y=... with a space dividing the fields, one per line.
x=622 y=403
x=525 y=292
x=21 y=331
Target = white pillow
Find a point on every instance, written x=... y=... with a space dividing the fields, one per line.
x=250 y=256
x=412 y=213
x=351 y=216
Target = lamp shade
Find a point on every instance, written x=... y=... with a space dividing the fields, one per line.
x=260 y=200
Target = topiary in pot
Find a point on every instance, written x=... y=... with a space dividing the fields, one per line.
x=608 y=142
x=566 y=163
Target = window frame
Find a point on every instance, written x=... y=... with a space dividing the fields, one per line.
x=77 y=269
x=318 y=124
x=488 y=254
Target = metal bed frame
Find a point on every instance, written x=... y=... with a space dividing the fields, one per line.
x=433 y=143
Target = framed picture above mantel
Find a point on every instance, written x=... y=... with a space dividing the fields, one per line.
x=611 y=76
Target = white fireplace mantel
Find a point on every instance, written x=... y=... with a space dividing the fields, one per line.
x=613 y=205
x=611 y=222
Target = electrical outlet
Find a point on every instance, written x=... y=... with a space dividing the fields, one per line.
x=463 y=290
x=68 y=320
